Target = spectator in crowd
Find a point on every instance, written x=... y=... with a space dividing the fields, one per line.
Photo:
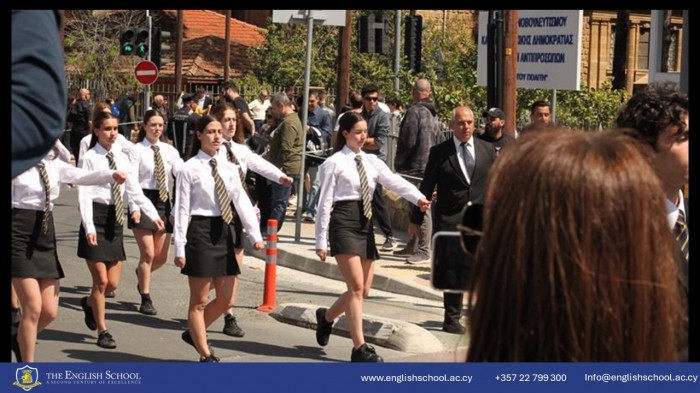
x=230 y=94
x=376 y=143
x=417 y=135
x=540 y=117
x=161 y=106
x=495 y=129
x=659 y=118
x=204 y=102
x=182 y=130
x=128 y=122
x=588 y=274
x=285 y=154
x=258 y=107
x=79 y=119
x=458 y=170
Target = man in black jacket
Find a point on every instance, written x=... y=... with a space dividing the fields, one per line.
x=458 y=170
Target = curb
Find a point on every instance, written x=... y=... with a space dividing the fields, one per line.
x=388 y=333
x=330 y=270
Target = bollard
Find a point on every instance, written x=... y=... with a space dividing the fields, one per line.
x=270 y=290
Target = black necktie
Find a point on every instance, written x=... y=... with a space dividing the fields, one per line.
x=116 y=192
x=682 y=234
x=469 y=163
x=47 y=190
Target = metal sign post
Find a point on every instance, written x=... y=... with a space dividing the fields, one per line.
x=320 y=17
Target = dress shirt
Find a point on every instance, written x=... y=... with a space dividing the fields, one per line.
x=250 y=160
x=143 y=165
x=95 y=159
x=28 y=188
x=460 y=154
x=121 y=143
x=340 y=181
x=196 y=196
x=672 y=210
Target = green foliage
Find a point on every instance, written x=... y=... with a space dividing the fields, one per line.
x=586 y=109
x=448 y=60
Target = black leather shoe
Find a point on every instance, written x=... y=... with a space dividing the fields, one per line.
x=231 y=327
x=365 y=354
x=323 y=327
x=15 y=347
x=89 y=316
x=105 y=340
x=187 y=337
x=454 y=328
x=209 y=359
x=147 y=306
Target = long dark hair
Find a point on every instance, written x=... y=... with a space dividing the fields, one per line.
x=97 y=120
x=146 y=118
x=577 y=261
x=346 y=123
x=199 y=127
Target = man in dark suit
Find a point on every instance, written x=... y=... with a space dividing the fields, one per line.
x=458 y=170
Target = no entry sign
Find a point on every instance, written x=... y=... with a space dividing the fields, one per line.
x=146 y=72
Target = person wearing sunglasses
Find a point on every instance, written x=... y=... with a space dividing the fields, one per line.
x=458 y=169
x=576 y=261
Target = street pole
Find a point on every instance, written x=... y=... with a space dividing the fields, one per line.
x=343 y=86
x=397 y=49
x=304 y=118
x=147 y=89
x=511 y=67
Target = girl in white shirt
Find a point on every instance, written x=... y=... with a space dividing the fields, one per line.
x=204 y=232
x=153 y=244
x=36 y=270
x=235 y=151
x=100 y=240
x=348 y=227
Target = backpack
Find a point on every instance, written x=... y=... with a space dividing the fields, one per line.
x=316 y=145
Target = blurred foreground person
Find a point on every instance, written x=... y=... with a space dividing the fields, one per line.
x=579 y=265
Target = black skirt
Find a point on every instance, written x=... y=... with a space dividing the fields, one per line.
x=110 y=237
x=34 y=253
x=350 y=232
x=209 y=251
x=163 y=208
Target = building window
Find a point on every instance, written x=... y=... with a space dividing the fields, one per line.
x=643 y=49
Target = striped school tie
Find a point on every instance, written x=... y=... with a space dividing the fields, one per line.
x=682 y=234
x=160 y=174
x=222 y=194
x=116 y=192
x=364 y=188
x=232 y=158
x=47 y=191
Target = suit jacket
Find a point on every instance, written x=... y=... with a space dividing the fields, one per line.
x=453 y=191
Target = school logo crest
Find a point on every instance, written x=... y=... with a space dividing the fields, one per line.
x=27 y=378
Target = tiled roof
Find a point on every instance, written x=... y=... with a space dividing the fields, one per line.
x=202 y=23
x=203 y=57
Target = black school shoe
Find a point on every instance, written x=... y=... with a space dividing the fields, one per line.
x=89 y=316
x=365 y=354
x=105 y=340
x=231 y=327
x=209 y=359
x=187 y=337
x=323 y=327
x=147 y=306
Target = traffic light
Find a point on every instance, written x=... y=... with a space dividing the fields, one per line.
x=371 y=34
x=142 y=41
x=127 y=42
x=413 y=41
x=159 y=43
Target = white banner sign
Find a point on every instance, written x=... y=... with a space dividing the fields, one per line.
x=548 y=51
x=321 y=17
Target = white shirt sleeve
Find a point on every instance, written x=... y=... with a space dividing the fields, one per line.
x=325 y=201
x=182 y=210
x=395 y=182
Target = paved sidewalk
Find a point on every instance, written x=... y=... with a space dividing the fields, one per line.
x=391 y=274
